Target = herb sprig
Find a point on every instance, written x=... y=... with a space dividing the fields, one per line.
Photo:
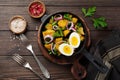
x=97 y=22
x=89 y=12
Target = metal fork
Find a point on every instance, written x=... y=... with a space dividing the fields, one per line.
x=29 y=47
x=20 y=60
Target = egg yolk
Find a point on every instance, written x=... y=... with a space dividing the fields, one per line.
x=74 y=41
x=67 y=49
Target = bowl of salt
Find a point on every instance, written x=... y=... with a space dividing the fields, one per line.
x=17 y=24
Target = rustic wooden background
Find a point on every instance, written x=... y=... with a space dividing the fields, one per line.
x=110 y=9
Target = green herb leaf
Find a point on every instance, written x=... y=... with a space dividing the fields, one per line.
x=61 y=32
x=79 y=24
x=58 y=33
x=84 y=11
x=54 y=23
x=68 y=16
x=51 y=20
x=55 y=52
x=50 y=52
x=89 y=12
x=99 y=22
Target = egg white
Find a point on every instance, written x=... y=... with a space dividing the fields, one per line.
x=61 y=49
x=77 y=36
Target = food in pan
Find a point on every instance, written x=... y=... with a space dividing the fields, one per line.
x=63 y=34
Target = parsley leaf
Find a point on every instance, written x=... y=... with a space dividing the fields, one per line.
x=58 y=33
x=84 y=11
x=89 y=12
x=99 y=22
x=68 y=16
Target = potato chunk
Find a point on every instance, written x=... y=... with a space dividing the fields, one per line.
x=48 y=26
x=80 y=30
x=48 y=46
x=66 y=32
x=48 y=32
x=74 y=20
x=62 y=23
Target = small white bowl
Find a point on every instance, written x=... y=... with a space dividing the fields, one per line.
x=17 y=24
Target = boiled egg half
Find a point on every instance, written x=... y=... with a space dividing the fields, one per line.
x=74 y=39
x=66 y=49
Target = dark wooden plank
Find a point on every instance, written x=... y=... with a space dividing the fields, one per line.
x=112 y=15
x=8 y=8
x=9 y=68
x=63 y=2
x=8 y=43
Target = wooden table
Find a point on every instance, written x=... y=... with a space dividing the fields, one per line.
x=110 y=9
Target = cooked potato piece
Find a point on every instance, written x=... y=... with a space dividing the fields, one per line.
x=59 y=53
x=48 y=46
x=66 y=32
x=80 y=30
x=58 y=40
x=48 y=26
x=82 y=37
x=57 y=47
x=48 y=32
x=62 y=23
x=74 y=20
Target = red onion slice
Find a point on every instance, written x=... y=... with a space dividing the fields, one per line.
x=73 y=29
x=70 y=26
x=48 y=38
x=58 y=17
x=55 y=27
x=52 y=48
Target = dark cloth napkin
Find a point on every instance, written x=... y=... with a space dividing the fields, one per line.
x=109 y=51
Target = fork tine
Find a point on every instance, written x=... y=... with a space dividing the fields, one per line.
x=16 y=59
x=19 y=59
x=24 y=40
x=23 y=37
x=22 y=61
x=18 y=56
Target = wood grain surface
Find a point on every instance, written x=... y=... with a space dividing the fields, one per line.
x=10 y=70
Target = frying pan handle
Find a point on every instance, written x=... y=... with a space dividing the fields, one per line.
x=44 y=17
x=98 y=63
x=78 y=71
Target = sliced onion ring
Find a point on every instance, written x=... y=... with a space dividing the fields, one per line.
x=55 y=27
x=52 y=48
x=70 y=26
x=58 y=17
x=48 y=38
x=73 y=29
